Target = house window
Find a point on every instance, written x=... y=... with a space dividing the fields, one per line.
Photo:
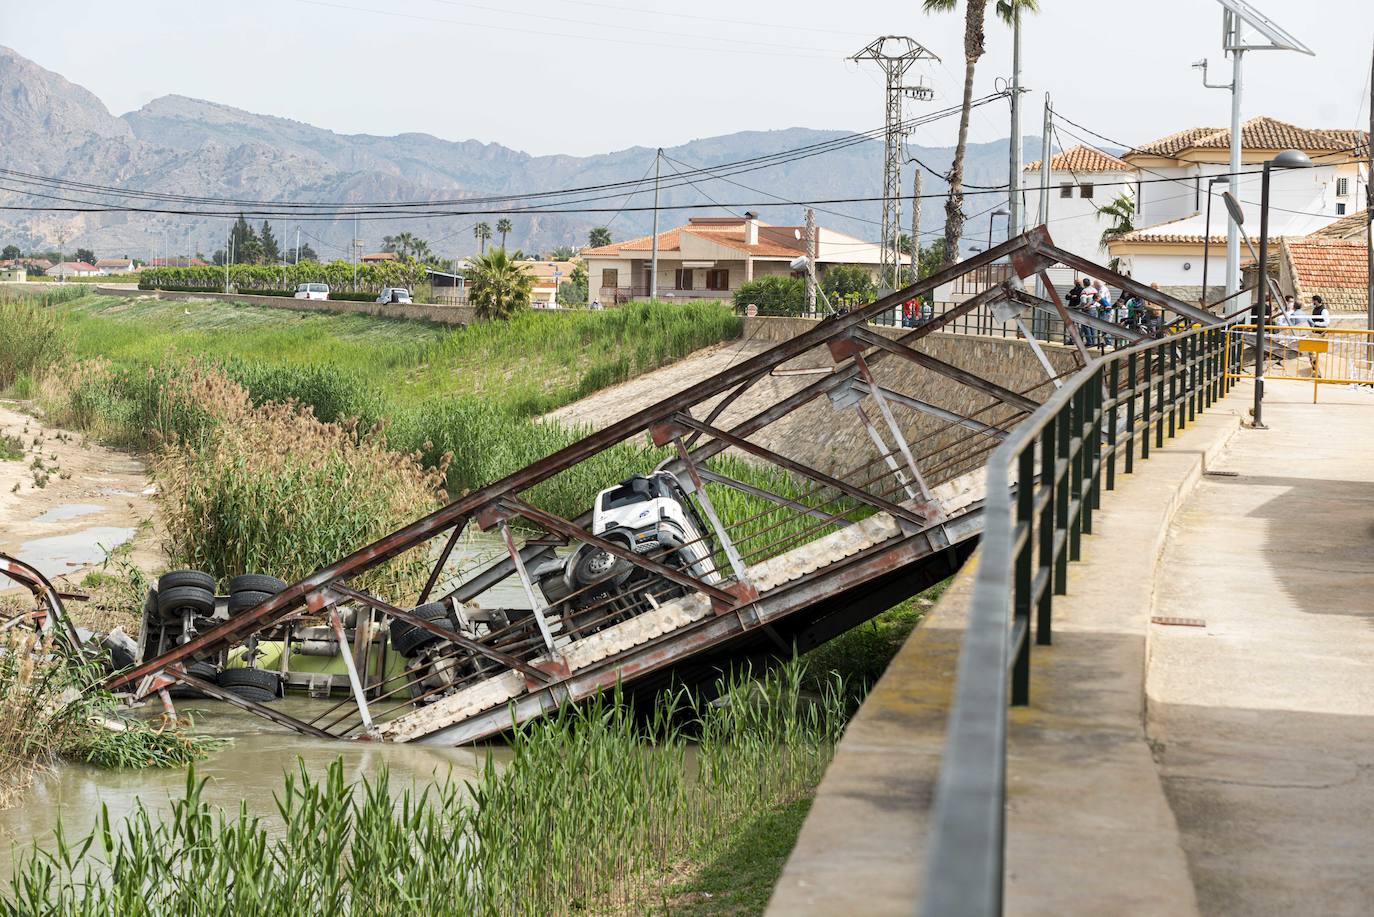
x=610 y=277
x=1342 y=187
x=1066 y=190
x=1340 y=208
x=684 y=278
x=718 y=279
x=1085 y=190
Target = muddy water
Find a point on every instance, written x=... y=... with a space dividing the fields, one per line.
x=250 y=770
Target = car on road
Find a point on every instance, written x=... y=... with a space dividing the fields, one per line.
x=394 y=295
x=312 y=291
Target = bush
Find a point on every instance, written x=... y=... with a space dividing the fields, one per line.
x=339 y=275
x=842 y=283
x=34 y=338
x=775 y=295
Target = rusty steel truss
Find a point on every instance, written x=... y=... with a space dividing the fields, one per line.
x=844 y=543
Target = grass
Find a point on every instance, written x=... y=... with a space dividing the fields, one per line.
x=11 y=448
x=590 y=816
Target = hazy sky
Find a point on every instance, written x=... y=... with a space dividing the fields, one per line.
x=586 y=76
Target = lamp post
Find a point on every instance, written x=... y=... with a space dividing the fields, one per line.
x=991 y=217
x=1207 y=235
x=1288 y=159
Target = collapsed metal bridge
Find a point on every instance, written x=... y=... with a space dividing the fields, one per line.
x=788 y=572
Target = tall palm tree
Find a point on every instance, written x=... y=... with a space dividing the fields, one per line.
x=500 y=287
x=598 y=237
x=974 y=35
x=483 y=232
x=503 y=226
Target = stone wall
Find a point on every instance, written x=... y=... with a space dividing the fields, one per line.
x=444 y=315
x=836 y=441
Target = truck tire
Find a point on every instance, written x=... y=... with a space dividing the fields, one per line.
x=251 y=684
x=242 y=601
x=205 y=671
x=256 y=582
x=171 y=603
x=195 y=578
x=407 y=639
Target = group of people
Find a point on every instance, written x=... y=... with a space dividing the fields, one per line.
x=1293 y=315
x=1094 y=298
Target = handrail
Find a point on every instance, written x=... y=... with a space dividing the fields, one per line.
x=1035 y=514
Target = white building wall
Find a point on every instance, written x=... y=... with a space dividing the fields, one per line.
x=1177 y=270
x=1073 y=221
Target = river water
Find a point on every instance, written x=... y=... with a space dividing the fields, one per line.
x=249 y=769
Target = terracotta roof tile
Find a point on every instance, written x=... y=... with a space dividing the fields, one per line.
x=1262 y=133
x=1350 y=226
x=1150 y=234
x=1174 y=143
x=1334 y=269
x=1083 y=159
x=773 y=241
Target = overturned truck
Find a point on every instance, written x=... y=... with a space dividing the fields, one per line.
x=652 y=582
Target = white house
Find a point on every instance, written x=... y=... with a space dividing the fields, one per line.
x=109 y=266
x=1173 y=187
x=72 y=269
x=710 y=257
x=1081 y=181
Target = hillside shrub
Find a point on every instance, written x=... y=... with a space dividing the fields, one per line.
x=774 y=295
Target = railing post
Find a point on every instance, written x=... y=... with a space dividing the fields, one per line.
x=1174 y=415
x=1194 y=388
x=1094 y=396
x=1115 y=393
x=1147 y=404
x=1023 y=583
x=1063 y=429
x=1130 y=414
x=1075 y=473
x=1087 y=423
x=1161 y=407
x=1048 y=442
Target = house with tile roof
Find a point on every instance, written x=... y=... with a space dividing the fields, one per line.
x=72 y=269
x=116 y=265
x=1174 y=233
x=1081 y=180
x=1335 y=269
x=710 y=257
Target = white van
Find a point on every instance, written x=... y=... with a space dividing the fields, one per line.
x=312 y=291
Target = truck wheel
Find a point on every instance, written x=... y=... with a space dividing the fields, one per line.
x=408 y=640
x=205 y=671
x=171 y=603
x=256 y=582
x=596 y=566
x=251 y=684
x=242 y=601
x=195 y=578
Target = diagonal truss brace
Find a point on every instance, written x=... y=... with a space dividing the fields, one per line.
x=1001 y=393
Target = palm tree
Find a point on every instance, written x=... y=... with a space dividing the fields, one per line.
x=1121 y=211
x=974 y=34
x=598 y=237
x=500 y=287
x=482 y=231
x=503 y=226
x=562 y=253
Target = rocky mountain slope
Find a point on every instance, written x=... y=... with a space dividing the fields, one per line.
x=177 y=145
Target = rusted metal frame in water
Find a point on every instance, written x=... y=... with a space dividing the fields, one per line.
x=443 y=560
x=209 y=689
x=407 y=537
x=42 y=589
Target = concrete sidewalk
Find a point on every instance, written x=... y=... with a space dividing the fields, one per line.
x=1263 y=721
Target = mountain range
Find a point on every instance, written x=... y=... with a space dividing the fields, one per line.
x=175 y=145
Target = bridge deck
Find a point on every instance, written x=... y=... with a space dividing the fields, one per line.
x=1159 y=769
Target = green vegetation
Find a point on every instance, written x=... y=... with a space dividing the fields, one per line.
x=54 y=707
x=849 y=285
x=598 y=237
x=500 y=287
x=209 y=278
x=774 y=295
x=11 y=448
x=34 y=336
x=593 y=814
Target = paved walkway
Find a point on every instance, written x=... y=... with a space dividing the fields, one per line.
x=1263 y=721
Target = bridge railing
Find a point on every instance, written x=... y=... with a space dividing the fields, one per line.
x=1044 y=484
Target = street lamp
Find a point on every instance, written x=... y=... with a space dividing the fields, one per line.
x=1288 y=159
x=1207 y=234
x=993 y=216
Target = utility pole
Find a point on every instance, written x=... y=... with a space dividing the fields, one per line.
x=1043 y=208
x=298 y=245
x=915 y=222
x=1234 y=42
x=811 y=260
x=653 y=257
x=353 y=253
x=1014 y=184
x=895 y=54
x=228 y=256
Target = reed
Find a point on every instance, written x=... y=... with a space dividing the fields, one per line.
x=592 y=815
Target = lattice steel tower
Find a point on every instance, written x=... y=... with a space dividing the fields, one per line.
x=895 y=54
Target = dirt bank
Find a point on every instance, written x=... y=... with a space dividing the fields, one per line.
x=68 y=501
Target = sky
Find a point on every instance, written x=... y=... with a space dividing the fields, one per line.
x=589 y=76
